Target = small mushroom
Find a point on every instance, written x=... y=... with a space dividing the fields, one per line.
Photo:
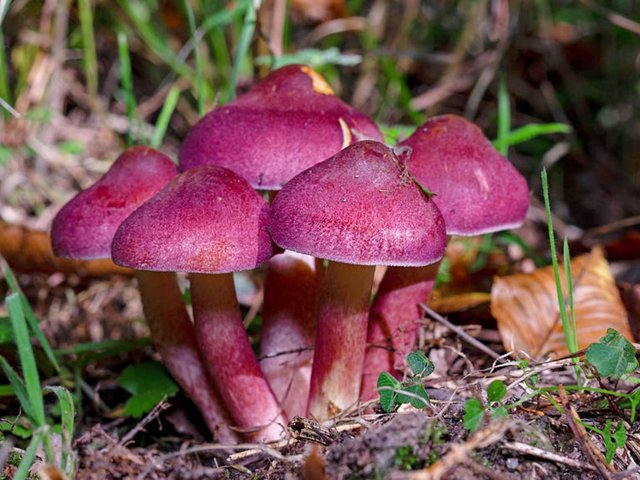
x=209 y=222
x=84 y=228
x=478 y=191
x=357 y=209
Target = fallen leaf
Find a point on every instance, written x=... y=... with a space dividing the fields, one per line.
x=526 y=307
x=458 y=302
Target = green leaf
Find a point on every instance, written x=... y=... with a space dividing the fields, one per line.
x=500 y=413
x=473 y=414
x=386 y=385
x=613 y=356
x=30 y=453
x=417 y=395
x=27 y=359
x=67 y=414
x=529 y=132
x=149 y=383
x=18 y=387
x=420 y=365
x=6 y=335
x=620 y=435
x=34 y=326
x=72 y=147
x=496 y=391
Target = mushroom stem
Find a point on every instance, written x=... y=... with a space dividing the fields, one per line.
x=174 y=337
x=393 y=322
x=288 y=325
x=230 y=360
x=340 y=338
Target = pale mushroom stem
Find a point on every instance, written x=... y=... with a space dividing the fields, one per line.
x=288 y=324
x=340 y=338
x=393 y=322
x=174 y=337
x=230 y=360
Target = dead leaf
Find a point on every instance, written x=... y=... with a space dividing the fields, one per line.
x=526 y=307
x=30 y=251
x=458 y=302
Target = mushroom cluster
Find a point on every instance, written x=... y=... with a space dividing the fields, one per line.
x=342 y=202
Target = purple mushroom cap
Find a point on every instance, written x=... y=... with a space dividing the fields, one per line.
x=477 y=189
x=207 y=220
x=84 y=227
x=286 y=123
x=361 y=207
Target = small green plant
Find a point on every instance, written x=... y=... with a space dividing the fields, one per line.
x=394 y=393
x=406 y=459
x=567 y=316
x=475 y=411
x=612 y=439
x=148 y=383
x=34 y=423
x=613 y=356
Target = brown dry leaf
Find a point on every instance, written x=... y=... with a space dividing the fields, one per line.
x=526 y=307
x=457 y=302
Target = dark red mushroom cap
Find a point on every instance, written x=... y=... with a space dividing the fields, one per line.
x=207 y=220
x=84 y=227
x=361 y=207
x=477 y=189
x=286 y=123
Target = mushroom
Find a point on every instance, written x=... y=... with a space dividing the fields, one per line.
x=287 y=122
x=478 y=191
x=288 y=328
x=357 y=209
x=84 y=228
x=209 y=222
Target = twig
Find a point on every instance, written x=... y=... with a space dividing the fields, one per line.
x=159 y=408
x=549 y=456
x=582 y=437
x=460 y=332
x=285 y=352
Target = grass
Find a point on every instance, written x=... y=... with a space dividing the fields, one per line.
x=568 y=320
x=126 y=77
x=30 y=393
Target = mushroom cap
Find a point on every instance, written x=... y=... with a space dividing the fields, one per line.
x=477 y=189
x=289 y=121
x=84 y=227
x=207 y=220
x=360 y=206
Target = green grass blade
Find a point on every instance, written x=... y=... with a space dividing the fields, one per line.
x=143 y=26
x=88 y=46
x=18 y=387
x=165 y=116
x=244 y=43
x=27 y=359
x=504 y=116
x=5 y=90
x=529 y=132
x=7 y=390
x=554 y=260
x=126 y=77
x=113 y=347
x=34 y=326
x=30 y=453
x=569 y=280
x=67 y=414
x=200 y=86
